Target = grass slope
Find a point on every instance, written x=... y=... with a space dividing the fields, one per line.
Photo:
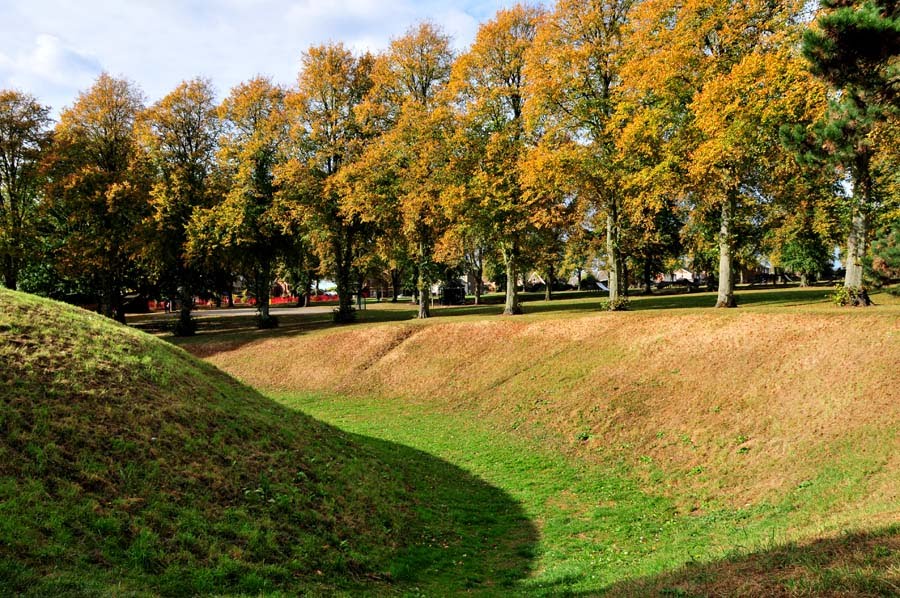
x=128 y=467
x=602 y=534
x=751 y=405
x=725 y=431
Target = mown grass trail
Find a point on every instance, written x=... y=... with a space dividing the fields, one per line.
x=758 y=446
x=598 y=531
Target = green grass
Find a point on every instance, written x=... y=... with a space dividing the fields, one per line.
x=723 y=438
x=598 y=531
x=129 y=467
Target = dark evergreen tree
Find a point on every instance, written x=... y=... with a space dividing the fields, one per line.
x=854 y=46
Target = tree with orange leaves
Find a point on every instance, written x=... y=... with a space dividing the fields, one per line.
x=710 y=84
x=179 y=135
x=100 y=190
x=574 y=76
x=398 y=181
x=248 y=223
x=490 y=84
x=327 y=135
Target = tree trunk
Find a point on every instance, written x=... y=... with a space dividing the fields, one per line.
x=345 y=300
x=856 y=248
x=119 y=312
x=10 y=272
x=648 y=277
x=613 y=257
x=262 y=305
x=263 y=290
x=726 y=272
x=344 y=265
x=303 y=300
x=511 y=307
x=548 y=291
x=477 y=274
x=423 y=283
x=185 y=325
x=395 y=284
x=804 y=279
x=114 y=307
x=424 y=299
x=107 y=303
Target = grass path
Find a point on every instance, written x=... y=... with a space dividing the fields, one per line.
x=664 y=451
x=596 y=529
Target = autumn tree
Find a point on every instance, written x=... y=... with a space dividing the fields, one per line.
x=248 y=223
x=883 y=266
x=96 y=182
x=553 y=204
x=179 y=134
x=652 y=235
x=802 y=224
x=325 y=136
x=398 y=181
x=800 y=247
x=24 y=135
x=490 y=83
x=855 y=47
x=740 y=154
x=574 y=70
x=713 y=81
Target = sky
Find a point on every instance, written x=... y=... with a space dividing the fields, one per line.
x=54 y=49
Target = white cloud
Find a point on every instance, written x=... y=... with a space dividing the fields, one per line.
x=51 y=66
x=57 y=47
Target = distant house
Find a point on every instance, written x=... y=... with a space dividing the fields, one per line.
x=679 y=274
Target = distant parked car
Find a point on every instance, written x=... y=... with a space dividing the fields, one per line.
x=682 y=283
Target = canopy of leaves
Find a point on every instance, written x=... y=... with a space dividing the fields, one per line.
x=24 y=134
x=98 y=188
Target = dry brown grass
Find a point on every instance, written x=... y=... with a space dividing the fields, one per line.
x=735 y=407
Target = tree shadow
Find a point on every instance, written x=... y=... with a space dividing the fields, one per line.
x=216 y=333
x=465 y=536
x=860 y=564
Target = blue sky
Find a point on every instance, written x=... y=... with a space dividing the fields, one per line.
x=55 y=48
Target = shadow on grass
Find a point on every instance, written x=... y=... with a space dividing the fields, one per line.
x=330 y=510
x=851 y=565
x=465 y=534
x=594 y=302
x=217 y=333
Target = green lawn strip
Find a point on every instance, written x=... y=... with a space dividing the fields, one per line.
x=565 y=304
x=596 y=526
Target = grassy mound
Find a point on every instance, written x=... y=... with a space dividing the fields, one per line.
x=757 y=446
x=126 y=465
x=712 y=408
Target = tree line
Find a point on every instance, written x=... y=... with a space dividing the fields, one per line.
x=641 y=132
